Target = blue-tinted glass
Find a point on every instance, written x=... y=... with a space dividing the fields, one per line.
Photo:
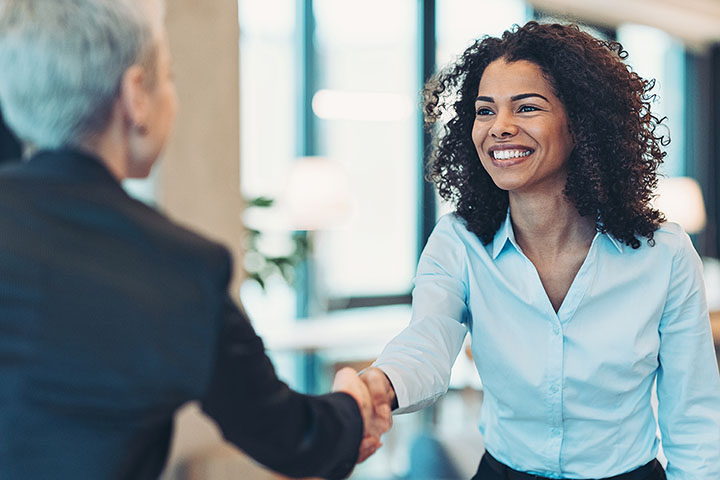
x=655 y=54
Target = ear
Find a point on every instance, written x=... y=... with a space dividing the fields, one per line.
x=134 y=97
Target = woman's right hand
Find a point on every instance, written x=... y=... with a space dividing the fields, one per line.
x=382 y=396
x=377 y=418
x=381 y=390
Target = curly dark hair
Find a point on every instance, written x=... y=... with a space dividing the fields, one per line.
x=612 y=170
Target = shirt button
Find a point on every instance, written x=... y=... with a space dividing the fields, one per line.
x=554 y=388
x=555 y=432
x=555 y=329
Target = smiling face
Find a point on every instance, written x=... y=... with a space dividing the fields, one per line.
x=521 y=131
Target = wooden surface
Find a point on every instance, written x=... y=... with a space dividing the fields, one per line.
x=715 y=324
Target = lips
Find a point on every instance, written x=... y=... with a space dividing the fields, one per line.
x=506 y=155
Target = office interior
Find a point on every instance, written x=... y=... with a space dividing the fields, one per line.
x=299 y=144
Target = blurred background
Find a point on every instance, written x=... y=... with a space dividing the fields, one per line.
x=299 y=144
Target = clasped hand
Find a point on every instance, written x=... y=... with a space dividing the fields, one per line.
x=374 y=404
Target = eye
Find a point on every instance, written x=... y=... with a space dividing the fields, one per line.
x=482 y=111
x=528 y=108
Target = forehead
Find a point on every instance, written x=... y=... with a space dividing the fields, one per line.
x=508 y=78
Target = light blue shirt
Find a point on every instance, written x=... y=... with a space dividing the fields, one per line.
x=568 y=394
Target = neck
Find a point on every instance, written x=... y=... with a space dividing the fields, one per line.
x=549 y=224
x=110 y=147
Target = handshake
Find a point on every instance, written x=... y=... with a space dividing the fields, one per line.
x=375 y=397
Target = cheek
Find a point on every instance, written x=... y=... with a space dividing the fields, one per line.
x=477 y=136
x=478 y=139
x=556 y=137
x=567 y=143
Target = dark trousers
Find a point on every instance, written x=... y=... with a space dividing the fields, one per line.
x=491 y=469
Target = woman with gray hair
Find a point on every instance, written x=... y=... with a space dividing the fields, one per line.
x=112 y=316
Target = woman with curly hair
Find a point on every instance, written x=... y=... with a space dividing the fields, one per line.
x=578 y=295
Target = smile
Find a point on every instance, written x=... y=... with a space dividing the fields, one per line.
x=510 y=154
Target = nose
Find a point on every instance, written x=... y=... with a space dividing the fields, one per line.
x=503 y=126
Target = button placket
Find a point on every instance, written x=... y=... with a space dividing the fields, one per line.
x=555 y=375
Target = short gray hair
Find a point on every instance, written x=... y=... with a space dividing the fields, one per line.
x=62 y=62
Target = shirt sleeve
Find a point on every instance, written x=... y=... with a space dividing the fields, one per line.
x=419 y=360
x=688 y=383
x=294 y=434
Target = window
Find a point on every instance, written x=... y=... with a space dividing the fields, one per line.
x=460 y=22
x=655 y=54
x=366 y=111
x=268 y=94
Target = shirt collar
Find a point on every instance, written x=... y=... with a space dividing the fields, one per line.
x=614 y=241
x=506 y=234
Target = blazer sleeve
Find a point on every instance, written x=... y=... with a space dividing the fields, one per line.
x=294 y=434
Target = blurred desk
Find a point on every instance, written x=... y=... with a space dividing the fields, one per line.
x=355 y=328
x=355 y=335
x=715 y=324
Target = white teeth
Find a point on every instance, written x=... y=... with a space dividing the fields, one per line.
x=506 y=154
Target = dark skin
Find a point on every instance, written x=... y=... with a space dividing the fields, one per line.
x=557 y=262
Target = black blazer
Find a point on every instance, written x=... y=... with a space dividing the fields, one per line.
x=112 y=317
x=9 y=145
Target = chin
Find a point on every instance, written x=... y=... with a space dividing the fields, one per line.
x=507 y=184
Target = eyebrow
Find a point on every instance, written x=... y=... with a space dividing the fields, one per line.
x=514 y=98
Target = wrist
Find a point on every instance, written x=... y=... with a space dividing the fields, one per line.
x=377 y=377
